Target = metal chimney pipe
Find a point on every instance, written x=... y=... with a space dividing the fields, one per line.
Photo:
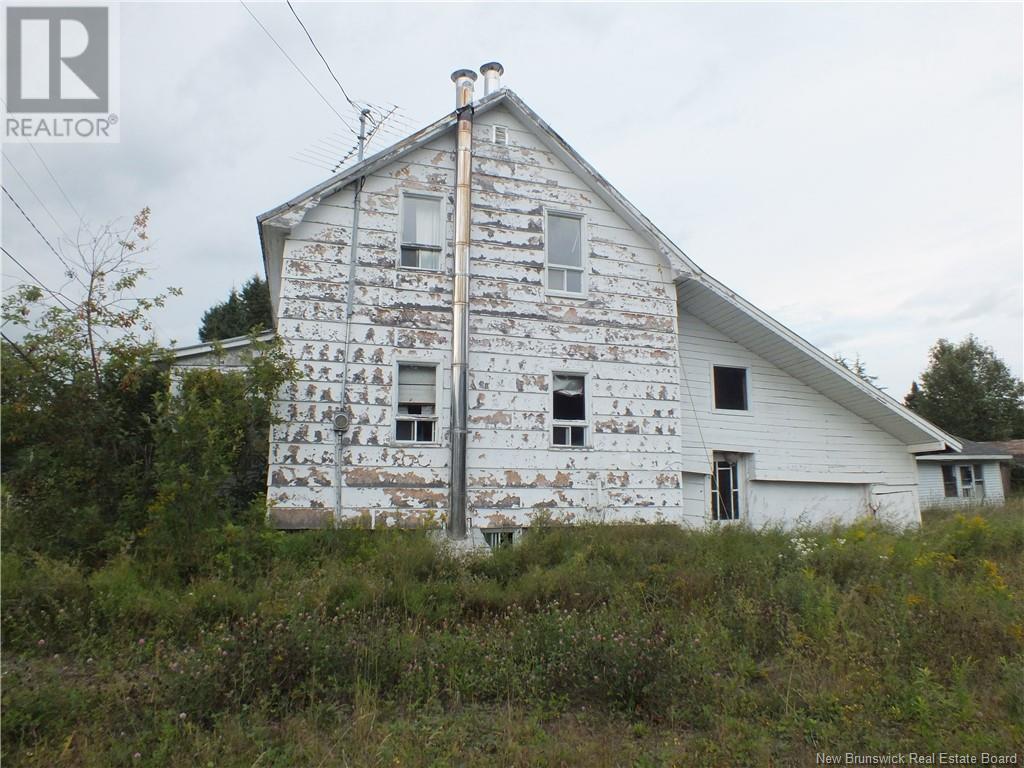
x=492 y=72
x=463 y=79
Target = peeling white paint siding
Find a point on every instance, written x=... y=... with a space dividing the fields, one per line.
x=622 y=334
x=396 y=315
x=809 y=459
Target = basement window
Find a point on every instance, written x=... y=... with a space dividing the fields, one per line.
x=730 y=385
x=565 y=254
x=569 y=410
x=421 y=232
x=497 y=538
x=416 y=420
x=725 y=487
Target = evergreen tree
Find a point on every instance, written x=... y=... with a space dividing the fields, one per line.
x=858 y=367
x=970 y=392
x=240 y=314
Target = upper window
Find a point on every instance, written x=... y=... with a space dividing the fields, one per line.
x=421 y=232
x=730 y=387
x=565 y=253
x=500 y=134
x=416 y=420
x=569 y=410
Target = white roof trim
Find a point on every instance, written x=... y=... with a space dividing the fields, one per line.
x=955 y=457
x=235 y=342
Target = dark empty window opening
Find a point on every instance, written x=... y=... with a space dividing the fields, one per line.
x=416 y=420
x=496 y=539
x=725 y=488
x=569 y=410
x=730 y=388
x=949 y=481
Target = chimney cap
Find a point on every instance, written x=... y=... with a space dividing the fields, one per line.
x=492 y=65
x=458 y=74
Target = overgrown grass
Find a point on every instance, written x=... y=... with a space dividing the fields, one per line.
x=596 y=645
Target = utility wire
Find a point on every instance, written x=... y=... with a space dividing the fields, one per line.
x=322 y=58
x=39 y=282
x=297 y=67
x=48 y=171
x=61 y=188
x=29 y=220
x=38 y=199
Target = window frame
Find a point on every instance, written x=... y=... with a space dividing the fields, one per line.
x=739 y=490
x=584 y=268
x=748 y=381
x=438 y=397
x=946 y=484
x=586 y=423
x=514 y=533
x=442 y=266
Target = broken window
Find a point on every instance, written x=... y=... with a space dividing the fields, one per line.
x=498 y=538
x=971 y=483
x=725 y=488
x=569 y=409
x=949 y=481
x=421 y=232
x=979 y=482
x=416 y=421
x=565 y=253
x=730 y=388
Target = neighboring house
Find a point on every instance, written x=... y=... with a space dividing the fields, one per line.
x=596 y=373
x=978 y=474
x=224 y=355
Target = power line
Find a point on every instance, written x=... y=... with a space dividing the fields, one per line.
x=297 y=67
x=322 y=58
x=50 y=173
x=68 y=199
x=29 y=220
x=39 y=282
x=38 y=199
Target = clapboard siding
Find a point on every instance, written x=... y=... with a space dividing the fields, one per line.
x=933 y=492
x=622 y=334
x=793 y=432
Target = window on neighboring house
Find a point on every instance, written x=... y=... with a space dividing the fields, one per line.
x=569 y=409
x=416 y=421
x=949 y=481
x=730 y=387
x=498 y=538
x=565 y=253
x=421 y=232
x=725 y=487
x=966 y=480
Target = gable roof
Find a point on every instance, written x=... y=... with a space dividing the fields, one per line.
x=743 y=321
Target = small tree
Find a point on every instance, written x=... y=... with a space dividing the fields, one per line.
x=78 y=398
x=969 y=391
x=240 y=314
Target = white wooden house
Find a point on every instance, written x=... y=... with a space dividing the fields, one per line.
x=978 y=474
x=595 y=372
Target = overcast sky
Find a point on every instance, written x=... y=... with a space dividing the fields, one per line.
x=855 y=170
